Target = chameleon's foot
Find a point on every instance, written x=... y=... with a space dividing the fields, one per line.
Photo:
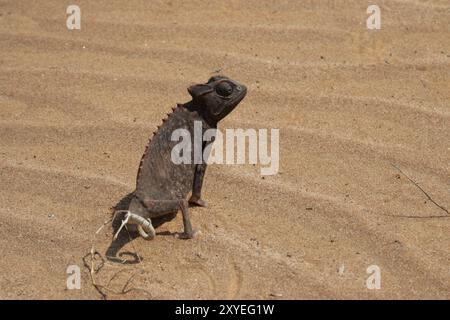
x=197 y=202
x=186 y=236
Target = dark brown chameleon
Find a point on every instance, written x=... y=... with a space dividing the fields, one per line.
x=162 y=186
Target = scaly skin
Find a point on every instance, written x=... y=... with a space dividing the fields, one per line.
x=161 y=185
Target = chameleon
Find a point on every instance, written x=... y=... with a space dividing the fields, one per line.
x=162 y=186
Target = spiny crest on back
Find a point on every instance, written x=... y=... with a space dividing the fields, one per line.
x=174 y=109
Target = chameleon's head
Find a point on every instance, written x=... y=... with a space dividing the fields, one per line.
x=218 y=97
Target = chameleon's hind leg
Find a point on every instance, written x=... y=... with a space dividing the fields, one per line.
x=142 y=209
x=162 y=207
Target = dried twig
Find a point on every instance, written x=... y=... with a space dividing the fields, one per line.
x=92 y=271
x=101 y=289
x=423 y=191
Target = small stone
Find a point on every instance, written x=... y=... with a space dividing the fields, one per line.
x=341 y=270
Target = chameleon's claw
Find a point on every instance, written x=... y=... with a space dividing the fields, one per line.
x=197 y=202
x=186 y=236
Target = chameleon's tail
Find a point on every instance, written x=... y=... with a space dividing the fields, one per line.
x=144 y=226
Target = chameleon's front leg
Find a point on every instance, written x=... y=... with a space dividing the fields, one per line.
x=196 y=197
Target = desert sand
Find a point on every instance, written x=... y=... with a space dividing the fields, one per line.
x=77 y=108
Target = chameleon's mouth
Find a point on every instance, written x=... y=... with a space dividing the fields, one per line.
x=244 y=91
x=242 y=95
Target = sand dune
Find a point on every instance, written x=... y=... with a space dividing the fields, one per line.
x=352 y=106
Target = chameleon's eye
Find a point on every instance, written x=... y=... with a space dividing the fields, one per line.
x=224 y=89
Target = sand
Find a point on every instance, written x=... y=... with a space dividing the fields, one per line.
x=77 y=108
